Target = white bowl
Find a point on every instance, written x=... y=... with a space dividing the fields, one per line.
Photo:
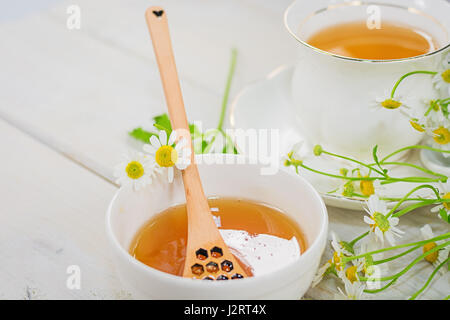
x=129 y=210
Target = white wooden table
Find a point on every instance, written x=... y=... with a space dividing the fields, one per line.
x=68 y=99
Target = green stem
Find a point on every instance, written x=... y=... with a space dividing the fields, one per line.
x=408 y=267
x=383 y=180
x=352 y=243
x=405 y=164
x=227 y=89
x=414 y=296
x=410 y=193
x=423 y=242
x=412 y=199
x=407 y=75
x=396 y=256
x=433 y=103
x=354 y=160
x=412 y=147
x=410 y=208
x=410 y=179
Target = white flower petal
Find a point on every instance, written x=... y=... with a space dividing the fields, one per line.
x=397 y=231
x=149 y=149
x=427 y=232
x=172 y=138
x=393 y=221
x=155 y=142
x=390 y=238
x=368 y=220
x=163 y=137
x=379 y=234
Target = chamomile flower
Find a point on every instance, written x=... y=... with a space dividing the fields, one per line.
x=441 y=80
x=380 y=224
x=444 y=191
x=366 y=264
x=340 y=251
x=436 y=257
x=347 y=187
x=169 y=154
x=352 y=290
x=435 y=113
x=322 y=272
x=440 y=137
x=369 y=187
x=136 y=170
x=390 y=103
x=296 y=150
x=417 y=118
x=335 y=264
x=293 y=158
x=351 y=273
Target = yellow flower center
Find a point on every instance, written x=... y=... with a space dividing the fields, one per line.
x=166 y=156
x=416 y=126
x=134 y=170
x=367 y=187
x=343 y=171
x=391 y=104
x=435 y=105
x=381 y=222
x=337 y=261
x=446 y=75
x=432 y=257
x=447 y=197
x=441 y=135
x=348 y=189
x=368 y=267
x=350 y=273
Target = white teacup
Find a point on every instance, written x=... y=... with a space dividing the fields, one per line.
x=129 y=211
x=333 y=94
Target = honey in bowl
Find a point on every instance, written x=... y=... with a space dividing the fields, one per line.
x=356 y=40
x=249 y=229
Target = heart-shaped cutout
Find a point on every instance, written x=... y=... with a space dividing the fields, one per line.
x=158 y=13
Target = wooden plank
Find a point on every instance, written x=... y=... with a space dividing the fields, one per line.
x=81 y=91
x=52 y=216
x=81 y=96
x=203 y=33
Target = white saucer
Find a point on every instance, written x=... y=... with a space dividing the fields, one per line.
x=267 y=104
x=435 y=162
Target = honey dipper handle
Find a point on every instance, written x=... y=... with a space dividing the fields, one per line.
x=199 y=215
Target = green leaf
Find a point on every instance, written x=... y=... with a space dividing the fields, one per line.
x=194 y=129
x=162 y=122
x=347 y=246
x=444 y=215
x=375 y=158
x=161 y=128
x=141 y=134
x=444 y=108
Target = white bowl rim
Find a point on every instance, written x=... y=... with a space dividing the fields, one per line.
x=315 y=245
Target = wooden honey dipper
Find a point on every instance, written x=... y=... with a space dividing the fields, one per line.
x=207 y=255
